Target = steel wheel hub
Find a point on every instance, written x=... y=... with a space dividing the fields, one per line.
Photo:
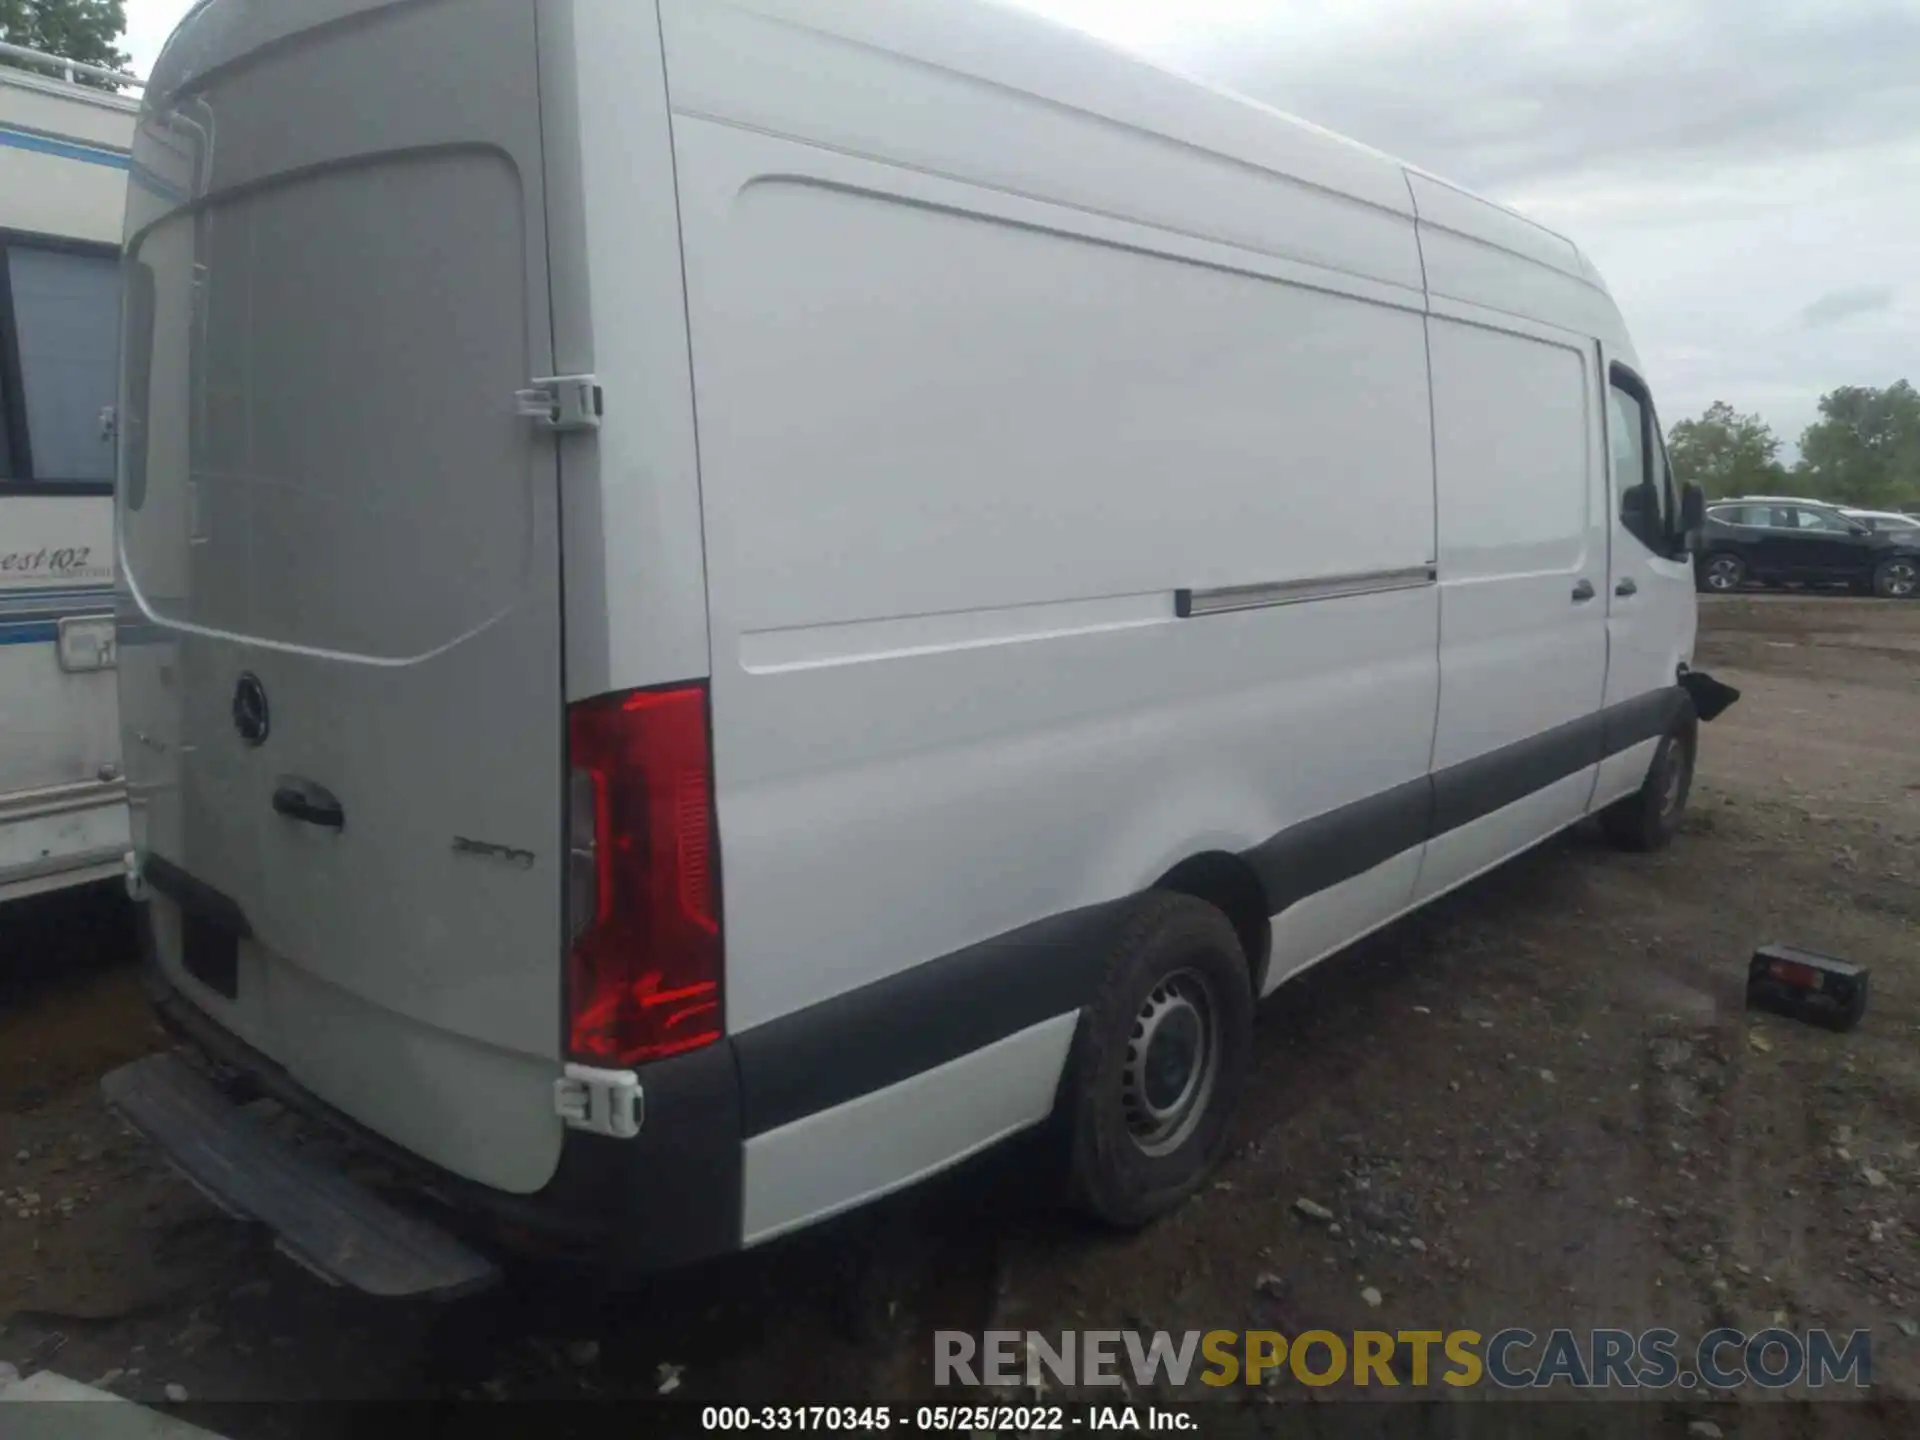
x=1173 y=1054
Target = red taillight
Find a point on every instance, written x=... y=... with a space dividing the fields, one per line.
x=1801 y=977
x=643 y=973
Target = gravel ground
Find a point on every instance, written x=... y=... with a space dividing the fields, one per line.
x=1541 y=1103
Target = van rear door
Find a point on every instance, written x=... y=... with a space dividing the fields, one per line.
x=343 y=707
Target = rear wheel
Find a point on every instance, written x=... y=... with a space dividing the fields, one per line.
x=1723 y=573
x=1650 y=817
x=1161 y=1062
x=1898 y=578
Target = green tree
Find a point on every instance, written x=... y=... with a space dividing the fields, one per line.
x=84 y=30
x=1726 y=453
x=1865 y=447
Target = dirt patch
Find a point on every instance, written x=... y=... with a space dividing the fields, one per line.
x=70 y=1007
x=1541 y=1103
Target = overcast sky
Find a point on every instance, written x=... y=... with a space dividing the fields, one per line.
x=1746 y=173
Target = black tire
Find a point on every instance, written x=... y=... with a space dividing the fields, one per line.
x=1144 y=1130
x=1722 y=573
x=1897 y=578
x=1649 y=818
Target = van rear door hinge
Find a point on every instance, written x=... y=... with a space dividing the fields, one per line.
x=604 y=1102
x=563 y=402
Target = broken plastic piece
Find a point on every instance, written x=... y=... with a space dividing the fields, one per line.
x=1710 y=698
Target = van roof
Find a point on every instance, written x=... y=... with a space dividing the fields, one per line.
x=1272 y=120
x=1005 y=46
x=1018 y=48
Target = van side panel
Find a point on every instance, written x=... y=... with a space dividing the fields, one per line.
x=630 y=494
x=951 y=491
x=939 y=388
x=834 y=1159
x=1523 y=657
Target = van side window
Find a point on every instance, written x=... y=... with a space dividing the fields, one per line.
x=1663 y=478
x=1642 y=481
x=59 y=343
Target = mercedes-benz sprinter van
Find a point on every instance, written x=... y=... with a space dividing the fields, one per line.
x=727 y=602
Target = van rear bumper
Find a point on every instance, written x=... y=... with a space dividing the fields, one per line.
x=320 y=1216
x=669 y=1196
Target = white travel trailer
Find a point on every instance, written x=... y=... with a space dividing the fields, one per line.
x=63 y=183
x=728 y=602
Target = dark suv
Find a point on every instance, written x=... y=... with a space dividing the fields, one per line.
x=1774 y=540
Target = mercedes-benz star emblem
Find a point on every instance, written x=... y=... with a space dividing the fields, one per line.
x=250 y=715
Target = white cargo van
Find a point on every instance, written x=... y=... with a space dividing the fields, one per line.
x=731 y=601
x=63 y=186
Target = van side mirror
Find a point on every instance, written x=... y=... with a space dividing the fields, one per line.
x=1693 y=517
x=1693 y=509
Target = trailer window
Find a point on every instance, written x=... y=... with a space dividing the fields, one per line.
x=59 y=322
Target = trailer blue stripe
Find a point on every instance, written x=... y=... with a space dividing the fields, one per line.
x=32 y=617
x=39 y=144
x=67 y=602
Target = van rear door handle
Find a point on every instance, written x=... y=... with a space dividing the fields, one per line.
x=1626 y=587
x=1583 y=592
x=310 y=804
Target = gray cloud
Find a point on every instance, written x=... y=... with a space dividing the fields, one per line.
x=1838 y=305
x=1503 y=98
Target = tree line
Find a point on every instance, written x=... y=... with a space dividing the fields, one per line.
x=85 y=30
x=1863 y=450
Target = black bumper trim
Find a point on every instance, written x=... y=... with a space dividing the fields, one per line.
x=668 y=1197
x=675 y=1193
x=866 y=1039
x=322 y=1217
